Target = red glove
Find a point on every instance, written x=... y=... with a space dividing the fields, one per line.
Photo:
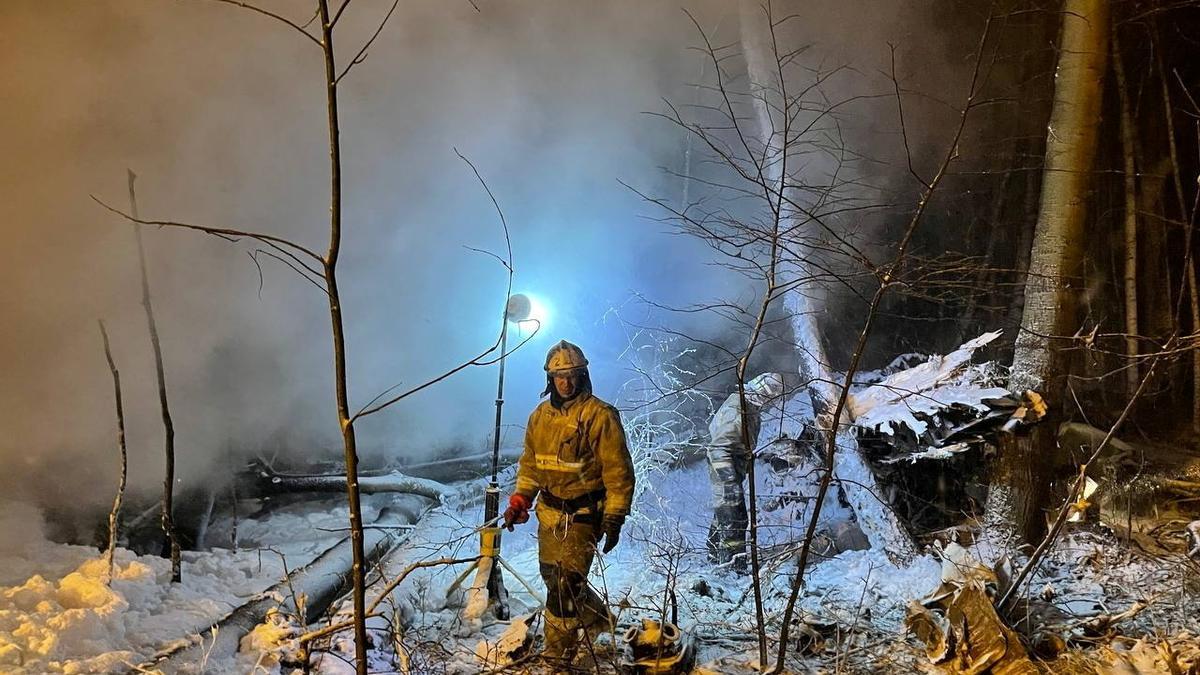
x=517 y=511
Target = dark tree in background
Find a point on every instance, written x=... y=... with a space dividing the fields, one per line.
x=1056 y=258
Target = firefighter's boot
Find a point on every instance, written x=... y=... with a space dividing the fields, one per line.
x=595 y=616
x=562 y=641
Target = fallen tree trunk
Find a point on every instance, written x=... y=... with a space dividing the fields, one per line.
x=319 y=583
x=453 y=469
x=270 y=482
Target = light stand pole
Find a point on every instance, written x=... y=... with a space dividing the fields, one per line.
x=487 y=591
x=515 y=311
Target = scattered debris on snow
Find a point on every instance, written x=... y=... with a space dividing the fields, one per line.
x=513 y=644
x=959 y=625
x=656 y=648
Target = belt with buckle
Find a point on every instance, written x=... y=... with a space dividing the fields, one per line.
x=570 y=506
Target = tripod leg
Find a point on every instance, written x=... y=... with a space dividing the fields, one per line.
x=524 y=582
x=462 y=577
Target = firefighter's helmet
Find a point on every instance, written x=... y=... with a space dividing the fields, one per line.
x=564 y=357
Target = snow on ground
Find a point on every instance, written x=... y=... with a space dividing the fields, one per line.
x=663 y=540
x=59 y=614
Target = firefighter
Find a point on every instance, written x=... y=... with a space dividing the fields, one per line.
x=728 y=459
x=576 y=463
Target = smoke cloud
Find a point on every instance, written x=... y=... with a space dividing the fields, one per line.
x=221 y=114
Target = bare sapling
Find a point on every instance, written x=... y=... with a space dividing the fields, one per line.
x=115 y=514
x=171 y=544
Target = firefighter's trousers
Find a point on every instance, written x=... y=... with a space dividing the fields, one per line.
x=727 y=533
x=566 y=548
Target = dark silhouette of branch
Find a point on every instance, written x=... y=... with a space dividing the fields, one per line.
x=281 y=19
x=362 y=53
x=222 y=232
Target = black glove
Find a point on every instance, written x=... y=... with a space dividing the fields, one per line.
x=610 y=530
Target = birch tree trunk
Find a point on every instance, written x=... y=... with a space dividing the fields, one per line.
x=883 y=529
x=1019 y=484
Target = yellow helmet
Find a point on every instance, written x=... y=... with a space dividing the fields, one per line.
x=564 y=356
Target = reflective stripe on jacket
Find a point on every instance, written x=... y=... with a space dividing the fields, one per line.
x=576 y=450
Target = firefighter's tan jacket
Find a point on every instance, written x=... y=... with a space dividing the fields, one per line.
x=577 y=450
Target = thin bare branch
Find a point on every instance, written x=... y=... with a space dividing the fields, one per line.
x=900 y=113
x=298 y=270
x=495 y=203
x=362 y=53
x=281 y=19
x=500 y=260
x=338 y=14
x=224 y=233
x=479 y=360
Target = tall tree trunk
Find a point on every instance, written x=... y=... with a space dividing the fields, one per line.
x=883 y=529
x=1155 y=313
x=1129 y=171
x=1186 y=216
x=1017 y=496
x=171 y=545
